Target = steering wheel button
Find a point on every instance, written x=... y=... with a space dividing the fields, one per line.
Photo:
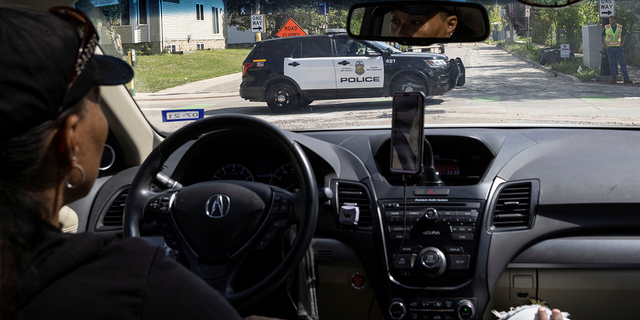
x=279 y=223
x=284 y=206
x=262 y=244
x=270 y=234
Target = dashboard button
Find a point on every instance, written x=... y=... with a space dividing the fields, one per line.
x=462 y=236
x=400 y=228
x=454 y=249
x=404 y=261
x=448 y=303
x=430 y=259
x=459 y=261
x=405 y=273
x=396 y=235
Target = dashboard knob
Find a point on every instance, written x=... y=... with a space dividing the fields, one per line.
x=466 y=310
x=397 y=310
x=432 y=262
x=431 y=214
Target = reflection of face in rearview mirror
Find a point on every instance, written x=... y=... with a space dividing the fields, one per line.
x=416 y=22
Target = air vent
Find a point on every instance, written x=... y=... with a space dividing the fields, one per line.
x=325 y=255
x=513 y=207
x=115 y=212
x=353 y=194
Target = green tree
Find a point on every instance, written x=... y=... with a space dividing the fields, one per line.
x=105 y=16
x=304 y=12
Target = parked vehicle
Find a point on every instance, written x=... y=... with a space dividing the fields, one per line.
x=291 y=72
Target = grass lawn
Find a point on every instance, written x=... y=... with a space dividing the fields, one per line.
x=158 y=72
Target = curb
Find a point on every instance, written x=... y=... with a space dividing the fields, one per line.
x=563 y=76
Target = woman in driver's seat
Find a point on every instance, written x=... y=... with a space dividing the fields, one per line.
x=52 y=133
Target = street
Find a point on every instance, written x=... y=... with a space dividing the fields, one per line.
x=500 y=88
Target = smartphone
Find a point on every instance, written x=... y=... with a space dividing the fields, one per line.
x=407 y=132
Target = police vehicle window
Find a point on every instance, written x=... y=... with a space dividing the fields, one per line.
x=316 y=47
x=297 y=51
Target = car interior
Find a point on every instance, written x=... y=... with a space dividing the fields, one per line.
x=510 y=213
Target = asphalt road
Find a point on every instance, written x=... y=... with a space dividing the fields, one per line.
x=500 y=88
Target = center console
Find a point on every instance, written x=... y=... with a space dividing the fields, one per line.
x=431 y=246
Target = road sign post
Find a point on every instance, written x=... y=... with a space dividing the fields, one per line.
x=257 y=23
x=607 y=8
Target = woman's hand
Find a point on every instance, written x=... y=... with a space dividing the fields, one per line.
x=555 y=314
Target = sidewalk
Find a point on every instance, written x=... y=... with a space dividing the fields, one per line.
x=634 y=72
x=223 y=86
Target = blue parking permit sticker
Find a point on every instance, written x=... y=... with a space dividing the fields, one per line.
x=182 y=115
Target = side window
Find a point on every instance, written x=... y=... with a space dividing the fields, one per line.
x=297 y=51
x=125 y=20
x=142 y=12
x=348 y=47
x=199 y=11
x=216 y=20
x=316 y=47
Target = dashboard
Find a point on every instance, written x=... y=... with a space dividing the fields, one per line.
x=517 y=208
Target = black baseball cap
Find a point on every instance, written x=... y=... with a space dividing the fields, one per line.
x=418 y=9
x=37 y=55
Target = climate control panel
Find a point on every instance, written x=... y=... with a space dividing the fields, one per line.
x=431 y=243
x=433 y=308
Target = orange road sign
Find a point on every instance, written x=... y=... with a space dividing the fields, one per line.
x=290 y=29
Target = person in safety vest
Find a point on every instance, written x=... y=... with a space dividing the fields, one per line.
x=613 y=37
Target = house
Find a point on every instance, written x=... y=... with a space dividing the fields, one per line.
x=171 y=25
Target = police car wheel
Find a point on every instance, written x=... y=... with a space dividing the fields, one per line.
x=282 y=98
x=410 y=83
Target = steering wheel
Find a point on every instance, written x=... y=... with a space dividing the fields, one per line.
x=218 y=223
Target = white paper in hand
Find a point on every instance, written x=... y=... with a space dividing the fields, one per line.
x=529 y=312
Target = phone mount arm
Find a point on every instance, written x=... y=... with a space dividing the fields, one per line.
x=430 y=177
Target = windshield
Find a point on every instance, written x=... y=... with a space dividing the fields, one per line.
x=291 y=63
x=383 y=46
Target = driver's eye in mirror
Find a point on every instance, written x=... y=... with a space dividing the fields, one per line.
x=443 y=22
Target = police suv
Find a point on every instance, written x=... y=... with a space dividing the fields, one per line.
x=291 y=72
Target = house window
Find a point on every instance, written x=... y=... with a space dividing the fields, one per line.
x=172 y=48
x=142 y=11
x=199 y=11
x=200 y=46
x=216 y=22
x=125 y=20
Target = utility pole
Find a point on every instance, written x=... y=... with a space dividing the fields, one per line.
x=258 y=34
x=528 y=9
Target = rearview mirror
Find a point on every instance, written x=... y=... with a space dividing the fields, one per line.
x=419 y=23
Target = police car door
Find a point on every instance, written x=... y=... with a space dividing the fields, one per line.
x=356 y=70
x=311 y=66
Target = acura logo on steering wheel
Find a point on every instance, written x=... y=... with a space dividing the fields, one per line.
x=218 y=206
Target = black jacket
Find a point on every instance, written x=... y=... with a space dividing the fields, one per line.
x=90 y=276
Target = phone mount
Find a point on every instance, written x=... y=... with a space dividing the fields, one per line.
x=430 y=177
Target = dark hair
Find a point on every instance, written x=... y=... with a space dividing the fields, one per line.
x=22 y=211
